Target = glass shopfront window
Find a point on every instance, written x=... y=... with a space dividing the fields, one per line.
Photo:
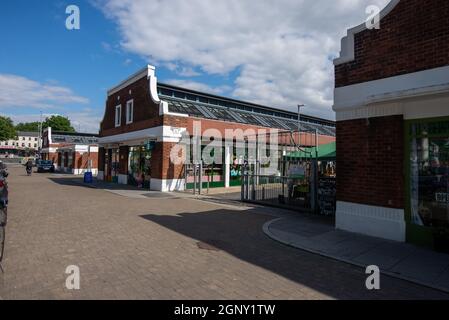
x=139 y=166
x=70 y=160
x=429 y=174
x=115 y=164
x=236 y=166
x=112 y=165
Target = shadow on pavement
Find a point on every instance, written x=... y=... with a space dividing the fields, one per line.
x=79 y=181
x=240 y=235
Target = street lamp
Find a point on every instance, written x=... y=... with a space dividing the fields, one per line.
x=299 y=123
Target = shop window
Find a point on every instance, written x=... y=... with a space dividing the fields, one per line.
x=118 y=115
x=139 y=166
x=429 y=174
x=129 y=111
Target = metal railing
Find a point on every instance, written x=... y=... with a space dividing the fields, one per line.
x=279 y=191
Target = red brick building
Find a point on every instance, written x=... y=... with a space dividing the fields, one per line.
x=144 y=120
x=392 y=110
x=70 y=152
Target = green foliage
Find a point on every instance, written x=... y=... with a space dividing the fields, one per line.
x=7 y=130
x=58 y=123
x=28 y=126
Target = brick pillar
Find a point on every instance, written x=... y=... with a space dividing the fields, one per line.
x=101 y=153
x=156 y=161
x=167 y=176
x=370 y=177
x=123 y=160
x=370 y=155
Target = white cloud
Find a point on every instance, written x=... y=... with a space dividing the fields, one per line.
x=198 y=86
x=17 y=91
x=282 y=48
x=188 y=72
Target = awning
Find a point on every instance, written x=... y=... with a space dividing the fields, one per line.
x=325 y=152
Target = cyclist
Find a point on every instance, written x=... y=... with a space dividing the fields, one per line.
x=29 y=166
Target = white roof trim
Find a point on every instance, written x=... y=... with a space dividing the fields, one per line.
x=147 y=71
x=422 y=83
x=347 y=43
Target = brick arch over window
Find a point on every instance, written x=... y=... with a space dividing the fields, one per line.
x=413 y=37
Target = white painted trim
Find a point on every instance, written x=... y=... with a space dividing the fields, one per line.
x=347 y=53
x=85 y=148
x=49 y=150
x=161 y=134
x=129 y=103
x=152 y=84
x=82 y=171
x=427 y=107
x=374 y=221
x=119 y=118
x=227 y=166
x=167 y=185
x=100 y=175
x=131 y=79
x=123 y=179
x=388 y=96
x=48 y=129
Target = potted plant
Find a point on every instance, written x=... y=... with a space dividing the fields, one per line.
x=441 y=239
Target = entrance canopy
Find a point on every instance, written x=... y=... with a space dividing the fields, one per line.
x=325 y=152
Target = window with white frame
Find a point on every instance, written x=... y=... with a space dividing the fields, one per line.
x=129 y=111
x=118 y=115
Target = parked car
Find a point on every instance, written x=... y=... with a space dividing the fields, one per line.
x=45 y=166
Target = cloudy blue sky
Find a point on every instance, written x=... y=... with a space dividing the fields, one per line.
x=274 y=52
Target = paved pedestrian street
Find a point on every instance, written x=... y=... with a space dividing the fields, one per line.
x=161 y=246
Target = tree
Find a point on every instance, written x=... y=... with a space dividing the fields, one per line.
x=28 y=126
x=58 y=123
x=7 y=130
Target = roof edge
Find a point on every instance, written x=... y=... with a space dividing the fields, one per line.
x=347 y=52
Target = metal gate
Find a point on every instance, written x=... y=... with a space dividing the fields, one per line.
x=197 y=180
x=292 y=192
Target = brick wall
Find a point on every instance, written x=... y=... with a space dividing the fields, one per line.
x=81 y=161
x=370 y=161
x=53 y=156
x=146 y=112
x=413 y=37
x=123 y=159
x=307 y=139
x=101 y=158
x=161 y=166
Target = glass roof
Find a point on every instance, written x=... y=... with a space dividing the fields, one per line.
x=202 y=110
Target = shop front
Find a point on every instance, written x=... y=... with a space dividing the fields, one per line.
x=212 y=175
x=111 y=165
x=139 y=166
x=427 y=183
